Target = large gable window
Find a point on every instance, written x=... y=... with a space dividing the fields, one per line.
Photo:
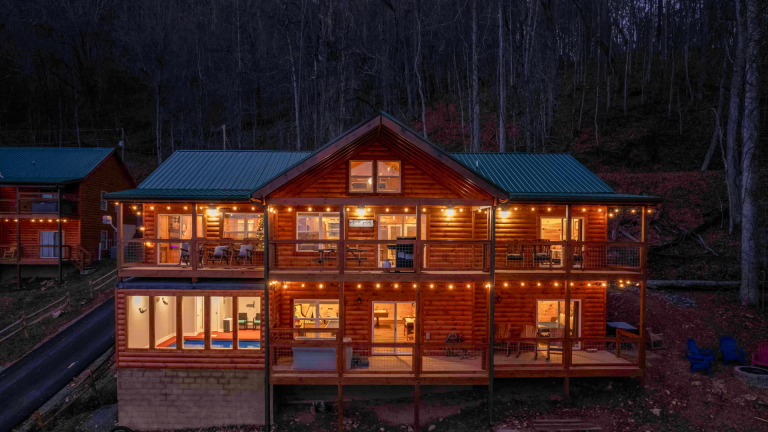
x=316 y=226
x=361 y=176
x=387 y=175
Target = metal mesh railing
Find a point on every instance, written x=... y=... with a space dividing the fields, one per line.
x=449 y=255
x=456 y=358
x=607 y=256
x=605 y=351
x=304 y=356
x=378 y=358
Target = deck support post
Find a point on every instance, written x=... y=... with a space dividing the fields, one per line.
x=416 y=398
x=491 y=313
x=18 y=238
x=340 y=419
x=567 y=390
x=567 y=258
x=340 y=360
x=644 y=269
x=61 y=240
x=193 y=249
x=267 y=383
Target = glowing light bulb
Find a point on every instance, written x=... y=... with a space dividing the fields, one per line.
x=505 y=213
x=449 y=212
x=360 y=211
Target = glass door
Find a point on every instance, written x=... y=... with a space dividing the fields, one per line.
x=394 y=227
x=172 y=227
x=550 y=314
x=393 y=322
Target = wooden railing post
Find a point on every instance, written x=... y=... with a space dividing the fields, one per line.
x=418 y=252
x=341 y=253
x=567 y=343
x=24 y=324
x=194 y=253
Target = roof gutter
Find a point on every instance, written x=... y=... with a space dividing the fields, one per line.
x=608 y=199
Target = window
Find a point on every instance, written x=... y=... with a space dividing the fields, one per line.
x=551 y=314
x=165 y=322
x=49 y=244
x=172 y=227
x=103 y=201
x=104 y=244
x=316 y=226
x=193 y=322
x=243 y=226
x=249 y=322
x=388 y=176
x=222 y=322
x=316 y=314
x=137 y=317
x=361 y=176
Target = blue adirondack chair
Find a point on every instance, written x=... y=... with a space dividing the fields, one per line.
x=699 y=363
x=700 y=352
x=730 y=352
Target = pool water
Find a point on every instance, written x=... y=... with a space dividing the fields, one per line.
x=219 y=344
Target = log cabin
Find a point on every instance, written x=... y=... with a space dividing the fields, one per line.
x=47 y=194
x=378 y=259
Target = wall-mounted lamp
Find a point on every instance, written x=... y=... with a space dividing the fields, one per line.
x=142 y=310
x=212 y=211
x=359 y=299
x=505 y=213
x=498 y=298
x=449 y=212
x=360 y=211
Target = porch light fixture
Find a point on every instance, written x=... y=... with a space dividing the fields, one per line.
x=290 y=209
x=327 y=209
x=141 y=228
x=360 y=211
x=253 y=208
x=505 y=213
x=64 y=220
x=498 y=298
x=134 y=207
x=359 y=298
x=396 y=285
x=467 y=285
x=450 y=211
x=321 y=286
x=212 y=212
x=406 y=209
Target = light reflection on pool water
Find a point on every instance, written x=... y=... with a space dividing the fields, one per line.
x=220 y=344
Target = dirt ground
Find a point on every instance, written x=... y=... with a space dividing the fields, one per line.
x=673 y=399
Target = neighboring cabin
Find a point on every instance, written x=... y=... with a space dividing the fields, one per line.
x=42 y=188
x=355 y=264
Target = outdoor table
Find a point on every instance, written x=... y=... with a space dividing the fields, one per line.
x=614 y=325
x=357 y=255
x=323 y=256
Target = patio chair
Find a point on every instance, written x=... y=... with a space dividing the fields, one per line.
x=654 y=340
x=528 y=332
x=578 y=256
x=699 y=363
x=695 y=351
x=245 y=254
x=184 y=254
x=10 y=252
x=257 y=321
x=555 y=333
x=760 y=358
x=220 y=253
x=503 y=331
x=730 y=351
x=542 y=253
x=242 y=320
x=516 y=254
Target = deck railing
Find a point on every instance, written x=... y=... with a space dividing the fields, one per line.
x=621 y=350
x=193 y=254
x=528 y=256
x=9 y=252
x=40 y=202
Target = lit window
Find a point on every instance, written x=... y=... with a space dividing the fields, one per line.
x=137 y=318
x=165 y=322
x=193 y=322
x=316 y=226
x=249 y=322
x=388 y=175
x=243 y=226
x=316 y=314
x=222 y=322
x=360 y=176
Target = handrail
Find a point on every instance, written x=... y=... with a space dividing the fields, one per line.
x=24 y=318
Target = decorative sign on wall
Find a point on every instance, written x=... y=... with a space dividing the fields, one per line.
x=361 y=223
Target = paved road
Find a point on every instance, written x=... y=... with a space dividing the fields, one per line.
x=30 y=382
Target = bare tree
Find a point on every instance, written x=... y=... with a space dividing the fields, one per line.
x=732 y=163
x=475 y=134
x=502 y=85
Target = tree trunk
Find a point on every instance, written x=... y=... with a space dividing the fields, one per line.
x=750 y=232
x=732 y=165
x=158 y=126
x=416 y=68
x=475 y=85
x=718 y=133
x=502 y=86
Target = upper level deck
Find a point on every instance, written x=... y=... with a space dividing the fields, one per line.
x=38 y=202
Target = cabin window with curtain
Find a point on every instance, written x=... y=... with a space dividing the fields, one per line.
x=388 y=176
x=316 y=226
x=316 y=314
x=243 y=226
x=360 y=176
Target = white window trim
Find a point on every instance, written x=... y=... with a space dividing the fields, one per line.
x=246 y=232
x=320 y=225
x=373 y=171
x=104 y=202
x=317 y=318
x=399 y=176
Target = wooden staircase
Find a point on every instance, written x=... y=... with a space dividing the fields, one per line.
x=82 y=260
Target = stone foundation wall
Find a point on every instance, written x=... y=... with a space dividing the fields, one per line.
x=189 y=398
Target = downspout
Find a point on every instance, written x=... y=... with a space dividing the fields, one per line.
x=61 y=240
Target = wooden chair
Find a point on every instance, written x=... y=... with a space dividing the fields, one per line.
x=555 y=333
x=220 y=253
x=578 y=256
x=516 y=254
x=10 y=252
x=503 y=331
x=528 y=332
x=184 y=254
x=760 y=358
x=242 y=320
x=654 y=340
x=245 y=254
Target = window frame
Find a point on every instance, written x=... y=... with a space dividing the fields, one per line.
x=316 y=319
x=54 y=246
x=319 y=232
x=399 y=176
x=373 y=175
x=104 y=202
x=245 y=225
x=104 y=240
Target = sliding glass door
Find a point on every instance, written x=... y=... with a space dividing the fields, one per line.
x=393 y=322
x=172 y=227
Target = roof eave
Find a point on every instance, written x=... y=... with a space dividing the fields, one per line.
x=608 y=199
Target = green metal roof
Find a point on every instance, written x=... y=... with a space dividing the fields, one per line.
x=535 y=173
x=48 y=164
x=210 y=174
